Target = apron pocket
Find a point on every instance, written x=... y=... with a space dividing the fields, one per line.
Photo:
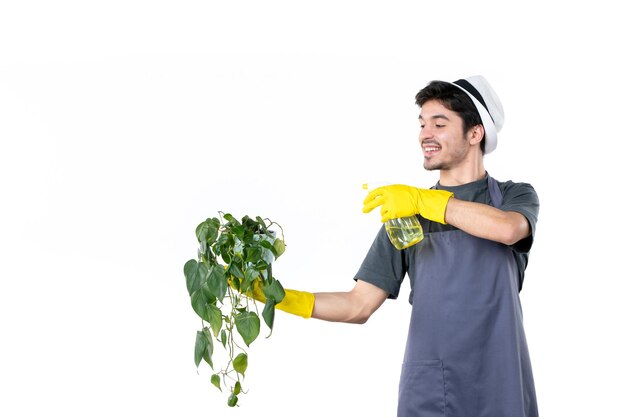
x=422 y=391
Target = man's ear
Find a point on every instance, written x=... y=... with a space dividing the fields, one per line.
x=476 y=134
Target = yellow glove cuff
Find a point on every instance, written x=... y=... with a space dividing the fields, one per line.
x=433 y=203
x=299 y=303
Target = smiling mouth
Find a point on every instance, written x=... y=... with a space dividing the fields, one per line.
x=430 y=150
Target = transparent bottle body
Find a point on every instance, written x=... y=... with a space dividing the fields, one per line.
x=404 y=231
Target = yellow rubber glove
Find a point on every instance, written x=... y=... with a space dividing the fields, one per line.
x=403 y=201
x=299 y=303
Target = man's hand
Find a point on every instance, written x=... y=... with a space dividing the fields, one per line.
x=403 y=201
x=299 y=303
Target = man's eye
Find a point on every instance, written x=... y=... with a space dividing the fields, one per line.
x=440 y=125
x=421 y=126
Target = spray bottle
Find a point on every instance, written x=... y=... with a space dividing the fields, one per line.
x=404 y=231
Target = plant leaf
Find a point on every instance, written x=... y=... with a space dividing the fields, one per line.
x=222 y=246
x=249 y=276
x=261 y=223
x=240 y=363
x=195 y=275
x=239 y=231
x=199 y=304
x=203 y=250
x=266 y=244
x=215 y=318
x=232 y=400
x=279 y=247
x=237 y=388
x=201 y=347
x=226 y=255
x=274 y=290
x=215 y=380
x=223 y=338
x=217 y=282
x=233 y=269
x=209 y=348
x=252 y=225
x=268 y=312
x=202 y=232
x=253 y=254
x=230 y=219
x=207 y=230
x=210 y=298
x=221 y=240
x=248 y=325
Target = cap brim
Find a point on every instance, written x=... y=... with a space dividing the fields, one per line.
x=491 y=134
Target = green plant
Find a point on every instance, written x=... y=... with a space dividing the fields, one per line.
x=234 y=257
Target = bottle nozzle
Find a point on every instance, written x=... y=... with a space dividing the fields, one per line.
x=373 y=185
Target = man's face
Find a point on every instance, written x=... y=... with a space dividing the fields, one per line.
x=443 y=143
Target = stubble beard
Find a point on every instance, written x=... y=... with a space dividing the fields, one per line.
x=436 y=166
x=446 y=165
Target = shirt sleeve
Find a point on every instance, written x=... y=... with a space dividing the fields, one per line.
x=522 y=198
x=384 y=266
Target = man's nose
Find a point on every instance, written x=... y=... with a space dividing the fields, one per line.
x=425 y=133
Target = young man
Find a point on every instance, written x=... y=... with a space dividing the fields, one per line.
x=466 y=352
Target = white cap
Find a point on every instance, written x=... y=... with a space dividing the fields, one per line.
x=488 y=104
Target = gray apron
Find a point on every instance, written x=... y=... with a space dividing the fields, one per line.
x=466 y=353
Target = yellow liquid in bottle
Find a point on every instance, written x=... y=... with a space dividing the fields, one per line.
x=404 y=232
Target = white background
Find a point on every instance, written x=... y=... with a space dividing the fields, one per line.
x=123 y=124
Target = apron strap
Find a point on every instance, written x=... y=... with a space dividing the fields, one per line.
x=494 y=191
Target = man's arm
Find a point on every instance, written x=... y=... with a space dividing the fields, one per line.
x=477 y=219
x=484 y=221
x=355 y=306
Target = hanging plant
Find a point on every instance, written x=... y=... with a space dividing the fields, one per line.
x=234 y=260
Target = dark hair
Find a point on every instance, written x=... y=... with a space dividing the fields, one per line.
x=455 y=99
